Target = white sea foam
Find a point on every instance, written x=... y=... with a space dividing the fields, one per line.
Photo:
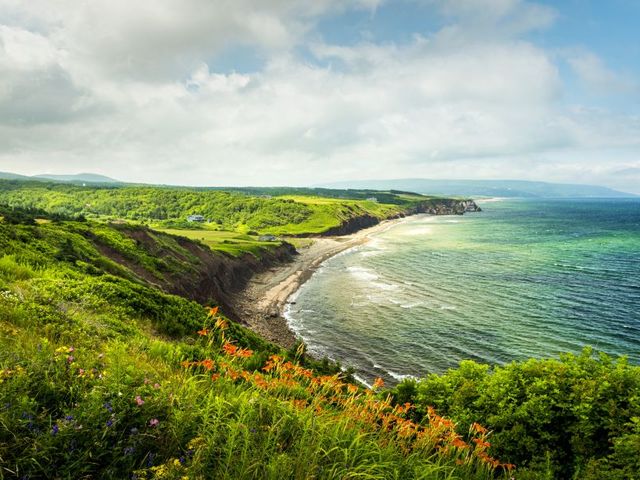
x=385 y=286
x=400 y=376
x=362 y=380
x=415 y=231
x=411 y=305
x=362 y=273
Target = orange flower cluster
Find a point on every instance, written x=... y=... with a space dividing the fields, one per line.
x=208 y=364
x=234 y=351
x=330 y=395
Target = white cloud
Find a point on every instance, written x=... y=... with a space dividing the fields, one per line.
x=126 y=89
x=593 y=72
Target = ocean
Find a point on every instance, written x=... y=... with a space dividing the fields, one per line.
x=522 y=278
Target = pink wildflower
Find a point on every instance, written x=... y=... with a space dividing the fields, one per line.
x=139 y=400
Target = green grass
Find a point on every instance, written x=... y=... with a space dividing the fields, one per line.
x=232 y=243
x=93 y=384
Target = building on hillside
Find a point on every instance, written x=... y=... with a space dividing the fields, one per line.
x=372 y=199
x=195 y=218
x=267 y=238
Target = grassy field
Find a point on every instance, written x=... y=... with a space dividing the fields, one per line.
x=233 y=243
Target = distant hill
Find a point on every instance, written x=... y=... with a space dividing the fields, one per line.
x=485 y=188
x=46 y=177
x=80 y=177
x=13 y=176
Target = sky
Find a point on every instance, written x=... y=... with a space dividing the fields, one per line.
x=302 y=92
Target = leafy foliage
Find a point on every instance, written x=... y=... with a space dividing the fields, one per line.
x=576 y=417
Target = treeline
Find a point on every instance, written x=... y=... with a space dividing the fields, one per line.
x=226 y=209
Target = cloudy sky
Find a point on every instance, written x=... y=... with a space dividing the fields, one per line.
x=259 y=92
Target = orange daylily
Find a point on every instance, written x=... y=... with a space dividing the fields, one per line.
x=229 y=348
x=213 y=311
x=204 y=332
x=244 y=353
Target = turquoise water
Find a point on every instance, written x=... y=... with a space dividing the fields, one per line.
x=521 y=279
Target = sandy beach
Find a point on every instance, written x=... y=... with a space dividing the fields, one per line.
x=262 y=303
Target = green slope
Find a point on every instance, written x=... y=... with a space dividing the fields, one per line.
x=105 y=375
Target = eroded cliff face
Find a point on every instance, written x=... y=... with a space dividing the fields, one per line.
x=445 y=206
x=194 y=271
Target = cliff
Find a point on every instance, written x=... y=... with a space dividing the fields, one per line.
x=437 y=206
x=189 y=268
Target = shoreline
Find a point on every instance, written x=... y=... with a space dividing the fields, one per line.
x=262 y=303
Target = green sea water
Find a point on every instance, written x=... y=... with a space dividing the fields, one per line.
x=523 y=278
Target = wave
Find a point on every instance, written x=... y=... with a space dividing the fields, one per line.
x=362 y=273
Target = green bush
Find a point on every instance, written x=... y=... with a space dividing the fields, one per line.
x=565 y=417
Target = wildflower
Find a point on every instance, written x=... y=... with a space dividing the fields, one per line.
x=139 y=400
x=156 y=386
x=477 y=428
x=215 y=377
x=129 y=450
x=154 y=422
x=69 y=418
x=244 y=353
x=213 y=311
x=70 y=359
x=81 y=372
x=108 y=406
x=268 y=367
x=133 y=431
x=71 y=349
x=221 y=324
x=55 y=430
x=150 y=459
x=204 y=332
x=378 y=383
x=208 y=364
x=182 y=460
x=109 y=422
x=229 y=349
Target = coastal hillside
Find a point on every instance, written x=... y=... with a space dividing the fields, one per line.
x=105 y=374
x=118 y=359
x=293 y=212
